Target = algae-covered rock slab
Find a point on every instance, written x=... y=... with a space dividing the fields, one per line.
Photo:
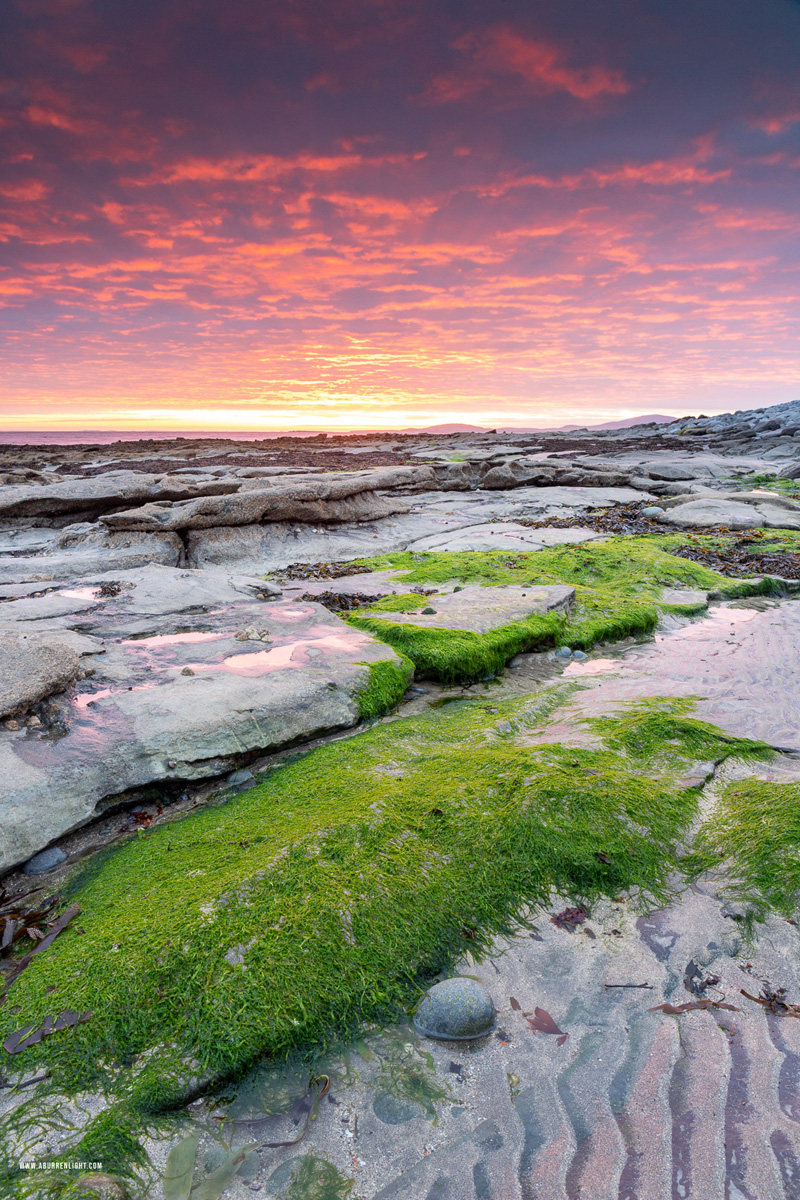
x=481 y=609
x=332 y=893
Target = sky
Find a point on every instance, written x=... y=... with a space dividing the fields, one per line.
x=385 y=213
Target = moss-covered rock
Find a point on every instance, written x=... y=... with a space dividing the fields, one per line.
x=331 y=891
x=618 y=585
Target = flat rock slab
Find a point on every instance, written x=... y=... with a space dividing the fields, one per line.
x=481 y=609
x=176 y=695
x=743 y=511
x=438 y=520
x=505 y=535
x=89 y=552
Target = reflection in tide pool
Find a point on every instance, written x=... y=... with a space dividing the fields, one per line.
x=84 y=593
x=742 y=663
x=83 y=700
x=174 y=639
x=299 y=653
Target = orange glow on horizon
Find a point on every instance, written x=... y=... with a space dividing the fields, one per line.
x=415 y=221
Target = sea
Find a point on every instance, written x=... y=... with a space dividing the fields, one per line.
x=105 y=437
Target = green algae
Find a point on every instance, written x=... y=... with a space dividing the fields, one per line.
x=385 y=687
x=752 y=840
x=331 y=893
x=313 y=1178
x=327 y=894
x=618 y=584
x=653 y=732
x=456 y=656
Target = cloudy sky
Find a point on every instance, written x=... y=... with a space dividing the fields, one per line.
x=377 y=213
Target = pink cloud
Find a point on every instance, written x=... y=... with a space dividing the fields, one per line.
x=539 y=63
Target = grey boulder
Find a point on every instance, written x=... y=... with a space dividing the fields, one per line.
x=44 y=861
x=32 y=667
x=455 y=1010
x=734 y=510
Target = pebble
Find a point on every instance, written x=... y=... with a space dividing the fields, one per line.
x=243 y=776
x=652 y=510
x=44 y=861
x=563 y=652
x=579 y=655
x=455 y=1010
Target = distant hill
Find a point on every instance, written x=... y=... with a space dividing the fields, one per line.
x=440 y=429
x=650 y=419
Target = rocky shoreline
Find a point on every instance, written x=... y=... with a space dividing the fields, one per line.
x=180 y=619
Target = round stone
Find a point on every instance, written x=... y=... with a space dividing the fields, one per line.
x=563 y=652
x=97 y=1186
x=44 y=861
x=394 y=1110
x=652 y=510
x=455 y=1010
x=579 y=655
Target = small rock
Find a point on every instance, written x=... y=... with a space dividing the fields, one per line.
x=11 y=725
x=563 y=652
x=33 y=722
x=394 y=1110
x=187 y=671
x=243 y=776
x=44 y=861
x=455 y=1010
x=252 y=634
x=97 y=1186
x=652 y=510
x=579 y=655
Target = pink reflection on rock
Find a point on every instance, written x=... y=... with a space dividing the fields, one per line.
x=84 y=593
x=174 y=639
x=595 y=666
x=86 y=698
x=292 y=654
x=290 y=613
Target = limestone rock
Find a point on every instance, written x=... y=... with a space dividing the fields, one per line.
x=31 y=668
x=93 y=550
x=481 y=609
x=100 y=493
x=670 y=472
x=732 y=510
x=323 y=499
x=140 y=720
x=727 y=514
